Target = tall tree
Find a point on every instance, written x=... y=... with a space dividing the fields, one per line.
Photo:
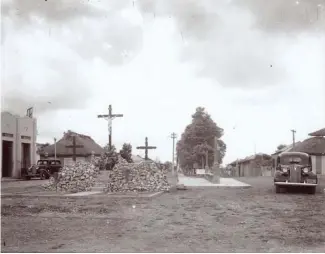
x=281 y=146
x=197 y=142
x=126 y=152
x=109 y=158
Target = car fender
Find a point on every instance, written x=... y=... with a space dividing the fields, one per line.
x=45 y=171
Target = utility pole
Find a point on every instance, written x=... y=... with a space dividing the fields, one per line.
x=293 y=138
x=54 y=148
x=173 y=136
x=110 y=118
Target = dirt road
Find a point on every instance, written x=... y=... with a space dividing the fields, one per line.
x=197 y=220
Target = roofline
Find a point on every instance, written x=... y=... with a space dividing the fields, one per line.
x=296 y=153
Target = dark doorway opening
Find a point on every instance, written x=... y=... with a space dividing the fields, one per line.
x=25 y=155
x=7 y=158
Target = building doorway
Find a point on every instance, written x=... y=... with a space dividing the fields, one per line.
x=25 y=155
x=7 y=158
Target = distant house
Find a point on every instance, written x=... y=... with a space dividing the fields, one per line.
x=254 y=165
x=65 y=154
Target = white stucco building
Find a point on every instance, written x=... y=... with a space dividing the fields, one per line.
x=18 y=143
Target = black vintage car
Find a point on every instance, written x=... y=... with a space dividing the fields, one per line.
x=44 y=169
x=294 y=169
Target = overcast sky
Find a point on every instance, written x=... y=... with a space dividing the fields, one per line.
x=258 y=70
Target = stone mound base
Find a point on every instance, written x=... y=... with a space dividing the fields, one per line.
x=137 y=177
x=74 y=178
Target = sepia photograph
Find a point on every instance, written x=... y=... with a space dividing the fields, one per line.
x=164 y=126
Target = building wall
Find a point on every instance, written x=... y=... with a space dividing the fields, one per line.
x=318 y=164
x=250 y=168
x=23 y=130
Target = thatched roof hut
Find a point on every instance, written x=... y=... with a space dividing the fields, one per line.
x=89 y=146
x=319 y=133
x=312 y=146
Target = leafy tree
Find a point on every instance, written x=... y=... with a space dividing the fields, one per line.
x=126 y=152
x=197 y=141
x=281 y=146
x=168 y=165
x=109 y=158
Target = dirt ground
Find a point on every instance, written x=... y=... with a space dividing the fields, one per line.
x=196 y=220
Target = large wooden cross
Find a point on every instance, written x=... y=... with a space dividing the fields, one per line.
x=74 y=146
x=146 y=148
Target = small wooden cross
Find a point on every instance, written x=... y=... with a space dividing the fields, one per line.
x=74 y=146
x=146 y=148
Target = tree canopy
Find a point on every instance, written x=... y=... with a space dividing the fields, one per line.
x=197 y=141
x=109 y=158
x=281 y=146
x=126 y=152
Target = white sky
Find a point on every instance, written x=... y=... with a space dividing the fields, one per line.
x=147 y=71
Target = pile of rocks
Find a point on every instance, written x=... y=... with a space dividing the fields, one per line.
x=137 y=177
x=74 y=178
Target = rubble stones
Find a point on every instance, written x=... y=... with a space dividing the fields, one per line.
x=137 y=177
x=74 y=178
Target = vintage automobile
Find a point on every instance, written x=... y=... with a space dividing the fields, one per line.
x=294 y=169
x=44 y=169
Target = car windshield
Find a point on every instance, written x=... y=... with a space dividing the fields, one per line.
x=293 y=159
x=42 y=163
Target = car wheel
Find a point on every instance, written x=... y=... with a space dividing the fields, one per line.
x=312 y=190
x=277 y=189
x=43 y=176
x=27 y=177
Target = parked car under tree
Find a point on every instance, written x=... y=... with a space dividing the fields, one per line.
x=294 y=169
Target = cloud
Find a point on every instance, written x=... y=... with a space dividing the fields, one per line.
x=236 y=42
x=91 y=28
x=38 y=70
x=62 y=41
x=232 y=42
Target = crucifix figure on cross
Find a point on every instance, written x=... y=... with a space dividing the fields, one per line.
x=146 y=148
x=74 y=147
x=109 y=117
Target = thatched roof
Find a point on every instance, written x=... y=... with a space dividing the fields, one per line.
x=89 y=146
x=319 y=133
x=286 y=149
x=251 y=157
x=313 y=146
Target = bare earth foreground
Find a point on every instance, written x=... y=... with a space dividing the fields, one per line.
x=196 y=220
